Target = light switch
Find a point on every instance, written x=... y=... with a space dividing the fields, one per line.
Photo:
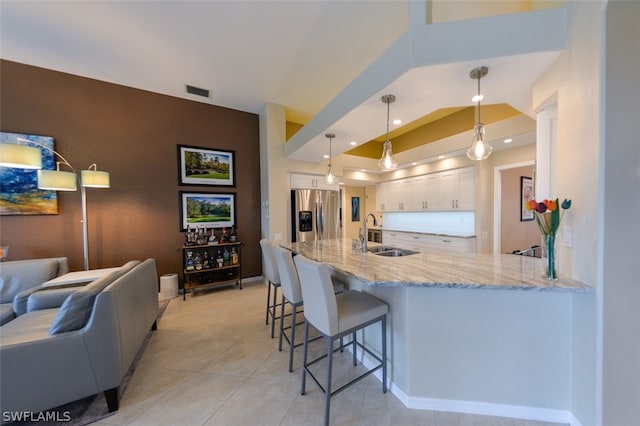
x=567 y=236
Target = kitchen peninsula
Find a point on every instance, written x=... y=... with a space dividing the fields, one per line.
x=470 y=332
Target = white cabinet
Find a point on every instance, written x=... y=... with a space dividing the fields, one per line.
x=382 y=204
x=451 y=190
x=428 y=242
x=307 y=181
x=442 y=191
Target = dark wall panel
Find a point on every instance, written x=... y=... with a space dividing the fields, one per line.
x=133 y=134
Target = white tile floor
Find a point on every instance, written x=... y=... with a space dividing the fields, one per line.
x=213 y=362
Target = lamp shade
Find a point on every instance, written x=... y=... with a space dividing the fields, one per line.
x=20 y=156
x=95 y=179
x=56 y=180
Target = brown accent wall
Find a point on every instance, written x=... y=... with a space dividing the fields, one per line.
x=133 y=134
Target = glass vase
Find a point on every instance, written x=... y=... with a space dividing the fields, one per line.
x=549 y=257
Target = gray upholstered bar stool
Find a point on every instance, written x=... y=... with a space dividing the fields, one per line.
x=273 y=280
x=336 y=316
x=292 y=293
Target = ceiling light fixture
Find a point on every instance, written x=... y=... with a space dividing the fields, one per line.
x=479 y=148
x=330 y=178
x=387 y=162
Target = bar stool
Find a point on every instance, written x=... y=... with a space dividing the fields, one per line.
x=292 y=293
x=336 y=316
x=273 y=280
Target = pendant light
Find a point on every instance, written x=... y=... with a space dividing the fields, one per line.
x=479 y=148
x=387 y=162
x=330 y=178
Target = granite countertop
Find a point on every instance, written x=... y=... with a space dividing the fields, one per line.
x=436 y=269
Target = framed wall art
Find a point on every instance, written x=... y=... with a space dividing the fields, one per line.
x=526 y=194
x=198 y=209
x=19 y=193
x=204 y=166
x=355 y=209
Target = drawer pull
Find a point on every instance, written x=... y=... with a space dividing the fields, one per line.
x=446 y=241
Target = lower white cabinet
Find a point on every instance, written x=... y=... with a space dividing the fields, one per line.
x=425 y=242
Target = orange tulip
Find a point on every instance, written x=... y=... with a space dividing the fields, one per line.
x=552 y=206
x=531 y=205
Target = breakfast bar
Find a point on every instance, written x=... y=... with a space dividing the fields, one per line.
x=477 y=333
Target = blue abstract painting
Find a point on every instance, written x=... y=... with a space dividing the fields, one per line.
x=19 y=193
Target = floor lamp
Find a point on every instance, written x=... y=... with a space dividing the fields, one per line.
x=29 y=157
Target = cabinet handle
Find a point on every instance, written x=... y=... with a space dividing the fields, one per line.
x=456 y=204
x=416 y=238
x=446 y=241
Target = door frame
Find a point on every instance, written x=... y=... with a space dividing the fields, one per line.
x=497 y=200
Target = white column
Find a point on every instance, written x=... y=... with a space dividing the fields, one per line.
x=546 y=135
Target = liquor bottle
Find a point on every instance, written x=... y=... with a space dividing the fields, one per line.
x=219 y=259
x=198 y=261
x=226 y=256
x=224 y=238
x=234 y=256
x=189 y=265
x=205 y=260
x=212 y=237
x=234 y=236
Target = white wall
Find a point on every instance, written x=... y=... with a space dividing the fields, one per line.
x=618 y=215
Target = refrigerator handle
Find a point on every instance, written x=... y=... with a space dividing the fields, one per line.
x=319 y=221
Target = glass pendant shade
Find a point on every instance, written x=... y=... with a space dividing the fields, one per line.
x=330 y=178
x=387 y=162
x=479 y=148
x=95 y=179
x=57 y=180
x=20 y=156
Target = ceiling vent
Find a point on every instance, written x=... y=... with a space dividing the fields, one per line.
x=198 y=91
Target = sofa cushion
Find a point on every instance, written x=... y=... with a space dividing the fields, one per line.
x=76 y=309
x=17 y=276
x=6 y=313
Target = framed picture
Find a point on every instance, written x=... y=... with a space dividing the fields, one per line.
x=355 y=209
x=526 y=194
x=202 y=166
x=19 y=193
x=199 y=209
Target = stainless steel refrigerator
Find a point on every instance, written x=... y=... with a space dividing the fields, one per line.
x=315 y=215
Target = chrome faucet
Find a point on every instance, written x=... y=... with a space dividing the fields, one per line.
x=363 y=238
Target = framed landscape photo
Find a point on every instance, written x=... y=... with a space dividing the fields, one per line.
x=206 y=210
x=526 y=194
x=204 y=166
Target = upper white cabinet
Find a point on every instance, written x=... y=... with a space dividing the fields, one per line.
x=442 y=191
x=455 y=190
x=307 y=181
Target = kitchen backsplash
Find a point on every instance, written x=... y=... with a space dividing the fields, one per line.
x=450 y=223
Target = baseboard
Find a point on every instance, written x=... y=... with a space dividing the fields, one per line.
x=248 y=280
x=473 y=407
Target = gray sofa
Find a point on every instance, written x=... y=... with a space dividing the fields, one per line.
x=19 y=278
x=53 y=356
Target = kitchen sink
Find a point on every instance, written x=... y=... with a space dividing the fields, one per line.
x=391 y=251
